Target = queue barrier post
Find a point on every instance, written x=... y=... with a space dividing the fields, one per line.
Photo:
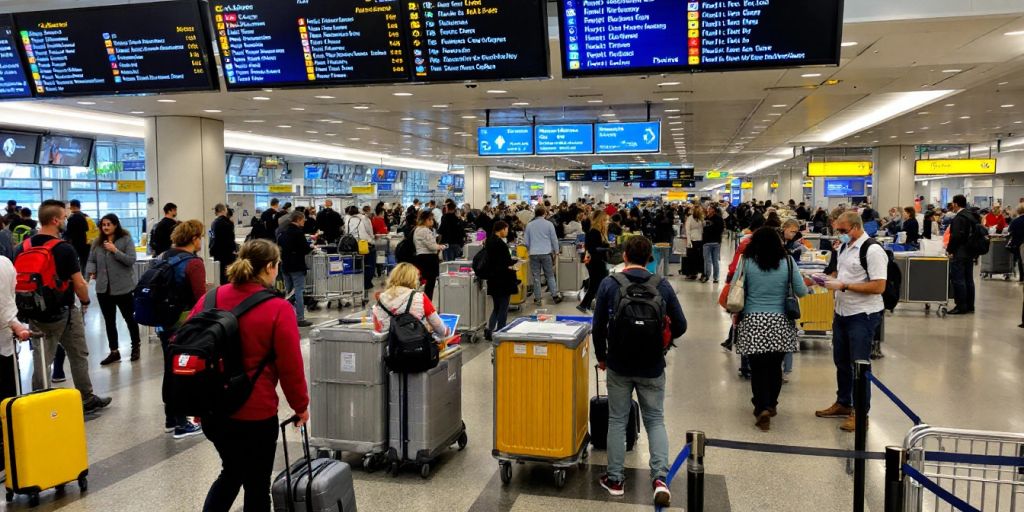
x=895 y=458
x=695 y=471
x=860 y=440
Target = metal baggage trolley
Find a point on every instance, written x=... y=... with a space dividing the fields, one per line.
x=541 y=395
x=349 y=288
x=460 y=292
x=349 y=390
x=323 y=280
x=817 y=310
x=998 y=261
x=570 y=271
x=925 y=281
x=988 y=487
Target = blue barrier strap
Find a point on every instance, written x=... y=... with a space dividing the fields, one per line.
x=970 y=458
x=683 y=455
x=939 y=492
x=895 y=399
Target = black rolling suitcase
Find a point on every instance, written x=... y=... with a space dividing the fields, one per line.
x=310 y=485
x=599 y=419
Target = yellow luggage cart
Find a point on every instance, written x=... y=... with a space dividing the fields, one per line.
x=541 y=395
x=522 y=274
x=816 y=313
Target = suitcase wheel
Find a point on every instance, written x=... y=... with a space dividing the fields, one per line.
x=83 y=483
x=393 y=469
x=33 y=500
x=463 y=441
x=559 y=478
x=425 y=471
x=59 y=489
x=506 y=472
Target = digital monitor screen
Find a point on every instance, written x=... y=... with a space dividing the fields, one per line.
x=628 y=137
x=445 y=181
x=668 y=184
x=459 y=183
x=565 y=139
x=581 y=175
x=315 y=171
x=610 y=37
x=504 y=140
x=250 y=167
x=235 y=164
x=844 y=188
x=477 y=39
x=134 y=48
x=18 y=148
x=270 y=43
x=384 y=175
x=13 y=81
x=65 y=151
x=629 y=175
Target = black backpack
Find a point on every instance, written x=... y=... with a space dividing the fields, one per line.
x=638 y=320
x=349 y=243
x=405 y=251
x=480 y=267
x=207 y=376
x=978 y=240
x=891 y=295
x=410 y=348
x=160 y=297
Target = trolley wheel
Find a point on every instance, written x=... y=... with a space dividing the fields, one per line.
x=59 y=489
x=393 y=469
x=425 y=471
x=83 y=483
x=560 y=478
x=368 y=463
x=324 y=454
x=10 y=496
x=33 y=500
x=506 y=472
x=463 y=441
x=1006 y=277
x=943 y=310
x=927 y=307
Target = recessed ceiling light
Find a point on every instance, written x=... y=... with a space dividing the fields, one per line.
x=608 y=114
x=1008 y=105
x=1002 y=83
x=846 y=44
x=86 y=102
x=260 y=98
x=924 y=127
x=780 y=105
x=909 y=132
x=954 y=70
x=361 y=107
x=668 y=84
x=331 y=134
x=810 y=75
x=945 y=122
x=496 y=91
x=923 y=113
x=353 y=138
x=671 y=99
x=965 y=117
x=364 y=128
x=284 y=126
x=520 y=104
x=314 y=140
x=167 y=101
x=465 y=135
x=676 y=122
x=670 y=110
x=335 y=121
x=324 y=97
x=253 y=121
x=443 y=128
x=675 y=129
x=312 y=132
x=892 y=136
x=469 y=117
x=136 y=112
x=595 y=101
x=440 y=106
x=950 y=104
x=1014 y=33
x=298 y=109
x=324 y=120
x=402 y=94
x=408 y=119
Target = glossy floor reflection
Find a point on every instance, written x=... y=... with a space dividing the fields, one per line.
x=956 y=371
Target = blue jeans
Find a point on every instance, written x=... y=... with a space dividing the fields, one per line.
x=543 y=263
x=787 y=363
x=296 y=281
x=712 y=257
x=961 y=275
x=851 y=342
x=452 y=253
x=651 y=395
x=499 y=316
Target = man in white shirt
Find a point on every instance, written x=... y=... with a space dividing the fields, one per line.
x=859 y=308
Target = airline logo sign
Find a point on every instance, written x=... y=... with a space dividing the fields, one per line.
x=834 y=169
x=969 y=166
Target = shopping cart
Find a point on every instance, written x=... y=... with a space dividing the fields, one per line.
x=987 y=487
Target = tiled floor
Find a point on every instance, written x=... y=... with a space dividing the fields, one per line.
x=956 y=371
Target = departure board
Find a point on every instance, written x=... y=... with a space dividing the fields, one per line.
x=269 y=43
x=13 y=82
x=135 y=48
x=455 y=40
x=609 y=37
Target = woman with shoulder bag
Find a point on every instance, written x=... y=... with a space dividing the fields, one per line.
x=767 y=328
x=502 y=282
x=596 y=245
x=111 y=264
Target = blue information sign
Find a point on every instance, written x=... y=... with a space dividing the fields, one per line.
x=505 y=140
x=565 y=139
x=628 y=137
x=314 y=172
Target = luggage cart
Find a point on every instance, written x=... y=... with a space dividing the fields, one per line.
x=460 y=292
x=925 y=281
x=346 y=374
x=523 y=275
x=324 y=277
x=570 y=271
x=817 y=310
x=541 y=395
x=998 y=261
x=383 y=253
x=986 y=487
x=662 y=259
x=349 y=287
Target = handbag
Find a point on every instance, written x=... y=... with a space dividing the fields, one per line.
x=792 y=304
x=737 y=298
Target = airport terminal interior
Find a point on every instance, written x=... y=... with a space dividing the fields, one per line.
x=899 y=110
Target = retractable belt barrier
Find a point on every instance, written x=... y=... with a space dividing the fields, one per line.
x=895 y=399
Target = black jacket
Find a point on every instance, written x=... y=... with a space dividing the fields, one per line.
x=597 y=246
x=329 y=222
x=452 y=230
x=664 y=232
x=222 y=243
x=960 y=231
x=161 y=240
x=714 y=226
x=269 y=220
x=76 y=233
x=294 y=249
x=913 y=230
x=484 y=222
x=503 y=281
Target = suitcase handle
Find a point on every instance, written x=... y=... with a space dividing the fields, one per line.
x=288 y=464
x=597 y=379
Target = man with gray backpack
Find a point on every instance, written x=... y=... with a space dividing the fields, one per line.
x=636 y=317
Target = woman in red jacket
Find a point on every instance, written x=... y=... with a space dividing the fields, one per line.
x=247 y=441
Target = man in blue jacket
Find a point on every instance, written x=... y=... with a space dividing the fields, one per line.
x=632 y=365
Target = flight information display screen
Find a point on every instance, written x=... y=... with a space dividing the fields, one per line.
x=270 y=43
x=581 y=175
x=13 y=81
x=135 y=48
x=610 y=37
x=454 y=40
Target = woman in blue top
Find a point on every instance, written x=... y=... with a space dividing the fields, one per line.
x=765 y=334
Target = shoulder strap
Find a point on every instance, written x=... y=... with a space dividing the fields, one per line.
x=864 y=254
x=210 y=301
x=252 y=301
x=408 y=305
x=385 y=308
x=50 y=244
x=621 y=279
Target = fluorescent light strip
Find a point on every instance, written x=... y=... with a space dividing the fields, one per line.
x=869 y=112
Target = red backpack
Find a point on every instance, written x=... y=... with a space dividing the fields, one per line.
x=39 y=292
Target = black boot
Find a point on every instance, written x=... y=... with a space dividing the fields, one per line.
x=136 y=352
x=114 y=357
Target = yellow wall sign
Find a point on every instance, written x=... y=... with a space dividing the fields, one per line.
x=364 y=190
x=973 y=166
x=136 y=186
x=716 y=175
x=808 y=183
x=747 y=185
x=676 y=195
x=775 y=184
x=280 y=189
x=513 y=197
x=827 y=169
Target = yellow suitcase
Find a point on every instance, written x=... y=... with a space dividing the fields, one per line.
x=44 y=442
x=541 y=393
x=523 y=277
x=817 y=311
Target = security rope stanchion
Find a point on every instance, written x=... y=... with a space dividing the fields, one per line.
x=695 y=472
x=860 y=439
x=895 y=458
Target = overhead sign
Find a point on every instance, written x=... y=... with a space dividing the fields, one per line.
x=844 y=187
x=13 y=80
x=716 y=175
x=280 y=189
x=839 y=169
x=566 y=139
x=676 y=195
x=969 y=166
x=364 y=190
x=134 y=186
x=775 y=184
x=581 y=176
x=628 y=137
x=747 y=185
x=667 y=184
x=505 y=140
x=645 y=165
x=808 y=183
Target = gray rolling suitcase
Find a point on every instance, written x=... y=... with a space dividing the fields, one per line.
x=426 y=414
x=461 y=293
x=309 y=485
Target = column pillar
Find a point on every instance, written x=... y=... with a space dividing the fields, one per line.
x=575 y=192
x=185 y=166
x=477 y=190
x=893 y=183
x=791 y=182
x=551 y=189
